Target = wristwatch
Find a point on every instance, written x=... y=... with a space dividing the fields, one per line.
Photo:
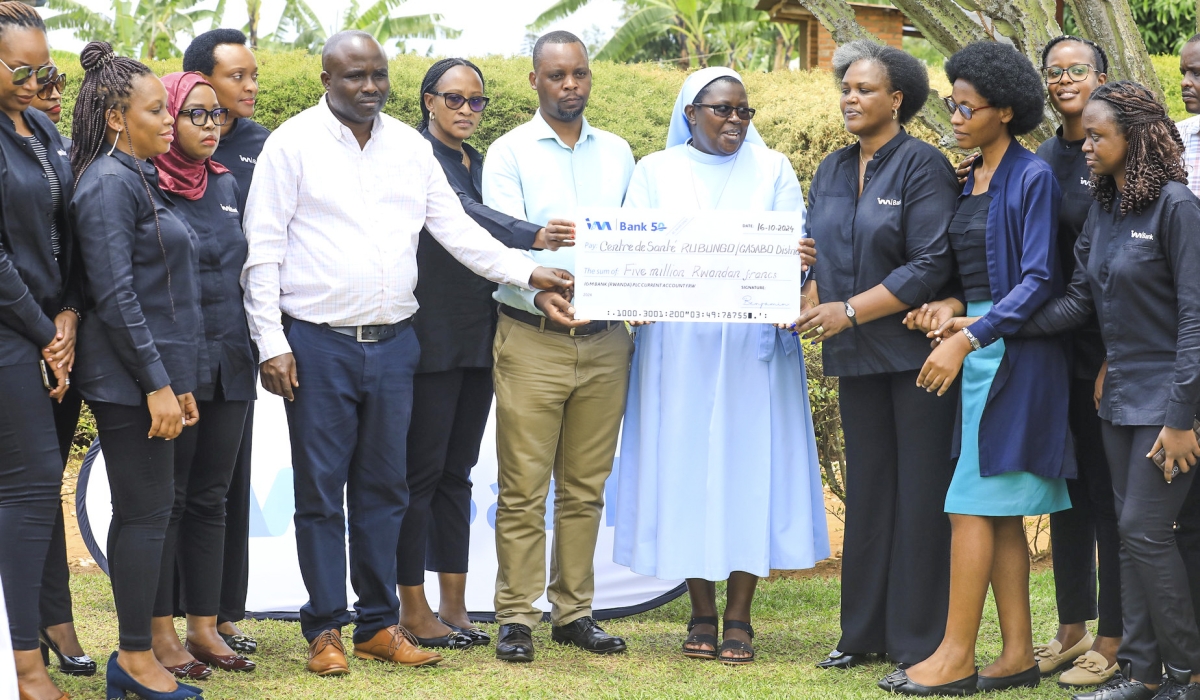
x=850 y=314
x=975 y=344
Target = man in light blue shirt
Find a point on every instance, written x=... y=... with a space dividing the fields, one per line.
x=560 y=382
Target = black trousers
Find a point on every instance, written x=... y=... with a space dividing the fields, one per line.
x=1187 y=537
x=55 y=600
x=1160 y=624
x=450 y=411
x=205 y=454
x=1088 y=529
x=235 y=570
x=896 y=556
x=141 y=479
x=30 y=484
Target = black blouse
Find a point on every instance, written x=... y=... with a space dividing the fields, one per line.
x=218 y=226
x=1140 y=274
x=1071 y=171
x=146 y=330
x=894 y=235
x=968 y=238
x=238 y=150
x=457 y=318
x=35 y=282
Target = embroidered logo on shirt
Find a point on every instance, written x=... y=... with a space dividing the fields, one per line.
x=231 y=210
x=1085 y=182
x=251 y=161
x=1141 y=236
x=62 y=153
x=889 y=202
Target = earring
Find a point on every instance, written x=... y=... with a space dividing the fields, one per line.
x=895 y=114
x=114 y=146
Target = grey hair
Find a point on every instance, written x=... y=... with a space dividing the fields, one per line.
x=858 y=50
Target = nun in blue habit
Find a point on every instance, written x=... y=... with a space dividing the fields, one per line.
x=718 y=470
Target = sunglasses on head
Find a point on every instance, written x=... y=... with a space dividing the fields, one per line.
x=58 y=82
x=22 y=74
x=723 y=111
x=199 y=117
x=967 y=112
x=1078 y=72
x=455 y=100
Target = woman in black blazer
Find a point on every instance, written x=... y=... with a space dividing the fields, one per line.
x=37 y=330
x=452 y=389
x=141 y=347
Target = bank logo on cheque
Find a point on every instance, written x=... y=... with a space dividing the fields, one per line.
x=598 y=225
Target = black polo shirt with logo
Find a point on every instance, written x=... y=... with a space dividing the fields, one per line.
x=894 y=235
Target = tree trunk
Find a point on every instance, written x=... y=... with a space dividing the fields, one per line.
x=1110 y=24
x=253 y=10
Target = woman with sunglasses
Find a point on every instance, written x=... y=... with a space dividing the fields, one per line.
x=452 y=389
x=40 y=294
x=58 y=627
x=878 y=211
x=1014 y=447
x=719 y=478
x=205 y=195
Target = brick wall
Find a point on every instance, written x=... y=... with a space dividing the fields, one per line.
x=884 y=22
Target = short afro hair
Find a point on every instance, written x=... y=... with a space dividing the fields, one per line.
x=1005 y=78
x=904 y=72
x=555 y=37
x=200 y=54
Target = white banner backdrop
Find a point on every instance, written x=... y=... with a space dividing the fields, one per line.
x=276 y=588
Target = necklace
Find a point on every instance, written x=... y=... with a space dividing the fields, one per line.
x=721 y=194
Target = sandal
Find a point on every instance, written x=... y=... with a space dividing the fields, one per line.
x=736 y=645
x=710 y=639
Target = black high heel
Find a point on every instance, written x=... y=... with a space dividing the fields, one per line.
x=70 y=665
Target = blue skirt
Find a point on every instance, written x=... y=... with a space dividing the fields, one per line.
x=1010 y=493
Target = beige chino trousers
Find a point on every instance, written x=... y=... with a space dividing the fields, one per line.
x=559 y=402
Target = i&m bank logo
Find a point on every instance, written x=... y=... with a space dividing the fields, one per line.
x=598 y=225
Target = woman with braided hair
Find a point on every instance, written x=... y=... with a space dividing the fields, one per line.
x=452 y=389
x=40 y=298
x=1138 y=269
x=142 y=348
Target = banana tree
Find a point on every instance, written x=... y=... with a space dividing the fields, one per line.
x=300 y=28
x=146 y=29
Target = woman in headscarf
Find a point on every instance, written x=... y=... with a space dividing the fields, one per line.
x=205 y=195
x=718 y=471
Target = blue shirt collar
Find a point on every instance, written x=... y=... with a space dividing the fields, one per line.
x=544 y=131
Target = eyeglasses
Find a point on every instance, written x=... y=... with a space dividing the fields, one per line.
x=22 y=74
x=199 y=117
x=723 y=111
x=967 y=112
x=455 y=100
x=58 y=82
x=1078 y=72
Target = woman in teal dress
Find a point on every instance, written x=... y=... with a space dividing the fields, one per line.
x=1014 y=445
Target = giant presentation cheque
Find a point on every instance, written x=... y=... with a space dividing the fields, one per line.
x=663 y=265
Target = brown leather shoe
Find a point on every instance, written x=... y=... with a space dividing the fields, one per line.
x=232 y=662
x=397 y=645
x=193 y=670
x=327 y=656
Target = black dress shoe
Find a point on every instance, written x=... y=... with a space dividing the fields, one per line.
x=478 y=637
x=240 y=643
x=1178 y=685
x=515 y=643
x=1029 y=678
x=453 y=640
x=840 y=659
x=70 y=665
x=1118 y=688
x=899 y=683
x=587 y=635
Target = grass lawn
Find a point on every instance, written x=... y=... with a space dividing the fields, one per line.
x=796 y=622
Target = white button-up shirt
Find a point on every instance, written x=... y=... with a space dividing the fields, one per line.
x=333 y=227
x=1189 y=130
x=532 y=175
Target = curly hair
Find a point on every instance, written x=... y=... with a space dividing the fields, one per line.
x=1098 y=54
x=1155 y=154
x=904 y=72
x=1005 y=78
x=434 y=75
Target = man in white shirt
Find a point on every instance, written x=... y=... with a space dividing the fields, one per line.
x=560 y=383
x=339 y=196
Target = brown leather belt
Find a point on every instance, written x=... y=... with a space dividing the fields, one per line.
x=544 y=324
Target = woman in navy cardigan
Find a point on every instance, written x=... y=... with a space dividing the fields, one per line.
x=1013 y=445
